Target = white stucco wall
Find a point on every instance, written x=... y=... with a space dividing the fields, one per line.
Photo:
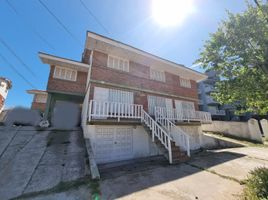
x=3 y=89
x=142 y=144
x=264 y=125
x=194 y=131
x=248 y=130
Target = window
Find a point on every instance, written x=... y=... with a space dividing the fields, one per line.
x=118 y=63
x=185 y=83
x=65 y=73
x=157 y=75
x=156 y=101
x=184 y=105
x=41 y=98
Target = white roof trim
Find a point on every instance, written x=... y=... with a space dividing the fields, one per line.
x=36 y=92
x=49 y=59
x=143 y=53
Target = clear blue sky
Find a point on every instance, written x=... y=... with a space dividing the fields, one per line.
x=128 y=21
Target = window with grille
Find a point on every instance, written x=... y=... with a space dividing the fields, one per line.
x=118 y=63
x=157 y=75
x=41 y=98
x=65 y=73
x=156 y=101
x=185 y=83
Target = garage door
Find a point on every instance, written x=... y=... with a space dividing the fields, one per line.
x=113 y=144
x=66 y=115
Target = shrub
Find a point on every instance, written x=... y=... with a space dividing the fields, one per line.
x=256 y=187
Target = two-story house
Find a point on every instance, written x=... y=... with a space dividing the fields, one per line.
x=134 y=104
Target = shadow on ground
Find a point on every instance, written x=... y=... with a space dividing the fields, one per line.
x=133 y=178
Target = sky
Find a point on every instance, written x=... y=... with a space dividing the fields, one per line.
x=27 y=28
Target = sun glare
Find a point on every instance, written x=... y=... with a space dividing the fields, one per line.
x=171 y=12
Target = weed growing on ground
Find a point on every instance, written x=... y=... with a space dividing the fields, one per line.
x=95 y=189
x=256 y=187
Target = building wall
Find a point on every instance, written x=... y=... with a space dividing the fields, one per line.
x=2 y=102
x=248 y=130
x=3 y=89
x=74 y=87
x=38 y=106
x=138 y=77
x=139 y=96
x=142 y=146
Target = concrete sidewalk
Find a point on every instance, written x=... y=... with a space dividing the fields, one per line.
x=32 y=160
x=208 y=175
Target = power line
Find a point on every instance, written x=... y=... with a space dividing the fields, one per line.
x=58 y=20
x=18 y=58
x=29 y=26
x=16 y=71
x=92 y=15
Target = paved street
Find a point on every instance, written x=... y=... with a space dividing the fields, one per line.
x=32 y=160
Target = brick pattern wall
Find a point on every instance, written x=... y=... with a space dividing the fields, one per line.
x=139 y=96
x=77 y=87
x=38 y=106
x=139 y=76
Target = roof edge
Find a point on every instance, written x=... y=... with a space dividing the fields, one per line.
x=89 y=33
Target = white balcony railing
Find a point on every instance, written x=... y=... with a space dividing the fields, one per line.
x=184 y=115
x=181 y=138
x=105 y=109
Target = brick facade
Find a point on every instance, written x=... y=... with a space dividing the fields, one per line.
x=139 y=77
x=38 y=106
x=75 y=87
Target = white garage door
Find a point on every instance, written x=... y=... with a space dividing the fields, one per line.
x=113 y=144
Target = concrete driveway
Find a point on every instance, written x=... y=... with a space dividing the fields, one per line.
x=208 y=175
x=33 y=161
x=37 y=163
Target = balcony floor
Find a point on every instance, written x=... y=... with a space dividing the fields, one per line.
x=114 y=121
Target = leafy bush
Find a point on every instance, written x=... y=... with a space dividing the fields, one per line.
x=256 y=187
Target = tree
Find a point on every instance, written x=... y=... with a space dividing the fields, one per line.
x=238 y=50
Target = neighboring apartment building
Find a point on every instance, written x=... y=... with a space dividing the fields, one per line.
x=5 y=85
x=133 y=104
x=207 y=103
x=39 y=99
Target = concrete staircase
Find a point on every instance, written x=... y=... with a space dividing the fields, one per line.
x=177 y=154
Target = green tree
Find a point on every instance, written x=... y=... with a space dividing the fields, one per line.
x=238 y=50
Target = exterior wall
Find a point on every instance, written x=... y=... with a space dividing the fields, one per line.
x=74 y=87
x=264 y=125
x=139 y=96
x=138 y=78
x=3 y=89
x=142 y=144
x=2 y=102
x=38 y=106
x=247 y=130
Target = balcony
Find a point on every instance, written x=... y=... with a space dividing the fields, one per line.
x=110 y=112
x=218 y=112
x=184 y=115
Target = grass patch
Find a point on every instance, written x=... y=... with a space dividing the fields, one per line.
x=256 y=186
